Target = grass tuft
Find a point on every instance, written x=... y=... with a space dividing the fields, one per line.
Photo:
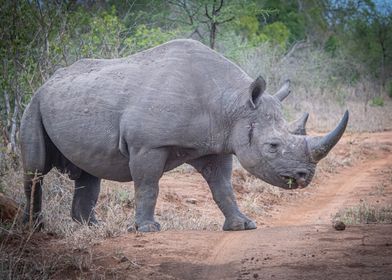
x=365 y=213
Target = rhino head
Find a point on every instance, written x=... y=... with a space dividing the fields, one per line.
x=272 y=149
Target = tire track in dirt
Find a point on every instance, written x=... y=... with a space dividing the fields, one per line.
x=316 y=209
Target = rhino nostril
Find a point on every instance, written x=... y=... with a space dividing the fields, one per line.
x=302 y=175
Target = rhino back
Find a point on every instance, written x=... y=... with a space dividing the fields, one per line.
x=165 y=96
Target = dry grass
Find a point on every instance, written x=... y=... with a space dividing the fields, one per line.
x=256 y=197
x=187 y=219
x=22 y=258
x=365 y=213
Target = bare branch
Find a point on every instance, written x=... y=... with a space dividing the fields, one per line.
x=226 y=20
x=220 y=7
x=188 y=11
x=207 y=15
x=296 y=46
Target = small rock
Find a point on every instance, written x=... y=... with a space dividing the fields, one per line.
x=255 y=276
x=124 y=259
x=339 y=225
x=191 y=200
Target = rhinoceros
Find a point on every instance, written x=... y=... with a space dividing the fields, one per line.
x=133 y=118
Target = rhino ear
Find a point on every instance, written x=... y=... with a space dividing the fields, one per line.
x=256 y=89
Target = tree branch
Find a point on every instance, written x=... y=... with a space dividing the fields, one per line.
x=220 y=7
x=226 y=20
x=296 y=46
x=207 y=15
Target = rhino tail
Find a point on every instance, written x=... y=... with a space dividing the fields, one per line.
x=33 y=140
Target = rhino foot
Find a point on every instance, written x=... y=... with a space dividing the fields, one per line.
x=239 y=223
x=148 y=226
x=90 y=221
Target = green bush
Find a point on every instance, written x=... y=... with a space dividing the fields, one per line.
x=331 y=45
x=377 y=101
x=277 y=33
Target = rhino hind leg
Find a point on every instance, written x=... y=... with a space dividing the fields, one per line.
x=216 y=170
x=87 y=188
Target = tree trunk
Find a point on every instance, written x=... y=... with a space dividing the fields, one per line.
x=212 y=35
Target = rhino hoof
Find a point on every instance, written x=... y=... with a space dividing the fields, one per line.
x=91 y=221
x=148 y=227
x=239 y=224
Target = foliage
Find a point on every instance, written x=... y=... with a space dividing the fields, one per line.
x=208 y=19
x=377 y=101
x=348 y=41
x=145 y=37
x=363 y=31
x=277 y=33
x=331 y=45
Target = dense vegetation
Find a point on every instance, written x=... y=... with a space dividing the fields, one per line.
x=354 y=37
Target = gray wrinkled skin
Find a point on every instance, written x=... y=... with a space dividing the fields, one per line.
x=136 y=117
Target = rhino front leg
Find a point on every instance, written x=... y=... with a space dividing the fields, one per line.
x=216 y=170
x=85 y=198
x=146 y=169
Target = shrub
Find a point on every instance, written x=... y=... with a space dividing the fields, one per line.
x=377 y=101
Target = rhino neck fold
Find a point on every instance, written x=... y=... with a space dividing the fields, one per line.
x=235 y=111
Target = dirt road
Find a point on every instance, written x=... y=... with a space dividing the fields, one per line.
x=296 y=242
x=300 y=242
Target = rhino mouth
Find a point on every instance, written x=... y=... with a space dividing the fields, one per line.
x=293 y=183
x=290 y=182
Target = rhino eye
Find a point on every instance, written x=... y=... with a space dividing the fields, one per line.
x=273 y=147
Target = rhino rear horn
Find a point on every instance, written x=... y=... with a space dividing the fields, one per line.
x=284 y=91
x=298 y=127
x=320 y=146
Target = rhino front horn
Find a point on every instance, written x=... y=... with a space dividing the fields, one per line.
x=320 y=146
